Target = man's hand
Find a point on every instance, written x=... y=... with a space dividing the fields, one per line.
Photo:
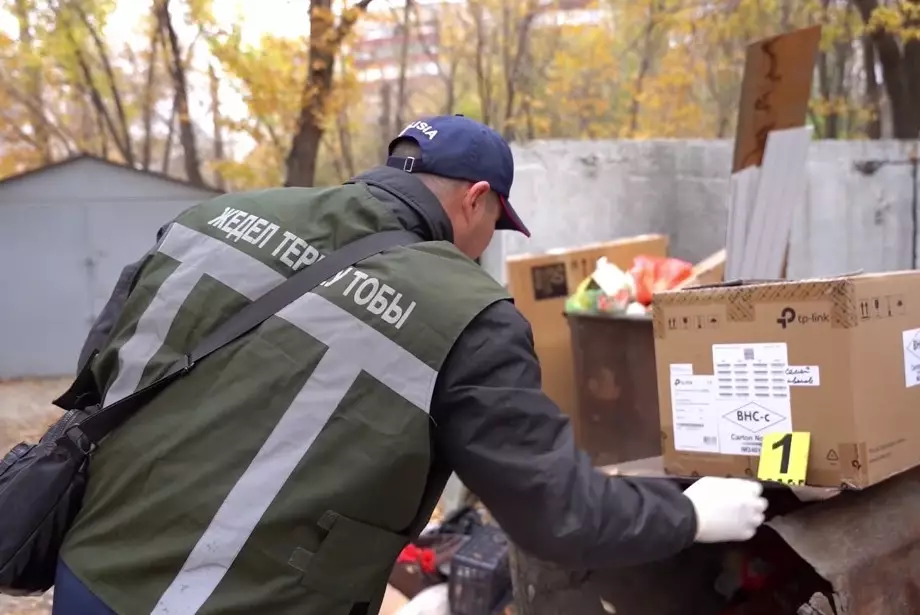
x=727 y=509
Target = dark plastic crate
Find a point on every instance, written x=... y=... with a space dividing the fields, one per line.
x=480 y=577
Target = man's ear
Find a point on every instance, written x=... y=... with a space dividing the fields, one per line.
x=475 y=196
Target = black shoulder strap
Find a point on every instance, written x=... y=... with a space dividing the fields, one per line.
x=105 y=420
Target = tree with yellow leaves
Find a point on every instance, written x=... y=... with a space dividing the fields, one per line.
x=894 y=32
x=75 y=93
x=327 y=36
x=531 y=68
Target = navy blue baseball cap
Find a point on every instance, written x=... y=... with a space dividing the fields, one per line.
x=460 y=148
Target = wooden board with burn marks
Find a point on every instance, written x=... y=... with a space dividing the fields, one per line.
x=774 y=91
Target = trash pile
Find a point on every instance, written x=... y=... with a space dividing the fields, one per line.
x=765 y=577
x=611 y=290
x=457 y=567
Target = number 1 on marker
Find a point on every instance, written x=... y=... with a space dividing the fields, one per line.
x=786 y=444
x=784 y=457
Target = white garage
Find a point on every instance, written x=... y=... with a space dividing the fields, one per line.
x=66 y=232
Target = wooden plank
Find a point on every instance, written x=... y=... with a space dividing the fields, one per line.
x=775 y=92
x=780 y=191
x=743 y=188
x=710 y=270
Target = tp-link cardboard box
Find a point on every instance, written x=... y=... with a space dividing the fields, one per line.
x=838 y=358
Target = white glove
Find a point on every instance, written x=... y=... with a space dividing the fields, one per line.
x=727 y=509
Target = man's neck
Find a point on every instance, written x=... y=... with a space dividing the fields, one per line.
x=416 y=207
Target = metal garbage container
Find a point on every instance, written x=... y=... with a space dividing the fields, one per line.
x=617 y=391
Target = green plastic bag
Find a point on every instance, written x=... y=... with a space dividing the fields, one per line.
x=584 y=299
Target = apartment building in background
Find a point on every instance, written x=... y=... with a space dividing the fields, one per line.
x=377 y=48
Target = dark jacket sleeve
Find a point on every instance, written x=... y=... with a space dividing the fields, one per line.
x=514 y=448
x=102 y=327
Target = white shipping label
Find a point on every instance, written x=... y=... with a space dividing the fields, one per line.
x=744 y=353
x=752 y=395
x=803 y=376
x=695 y=422
x=911 y=343
x=681 y=369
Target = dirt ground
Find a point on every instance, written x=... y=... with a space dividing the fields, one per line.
x=26 y=410
x=25 y=413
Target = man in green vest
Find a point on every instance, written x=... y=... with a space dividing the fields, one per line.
x=288 y=470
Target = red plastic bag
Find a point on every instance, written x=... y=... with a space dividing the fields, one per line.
x=425 y=558
x=657 y=273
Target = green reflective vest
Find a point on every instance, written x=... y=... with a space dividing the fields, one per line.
x=287 y=471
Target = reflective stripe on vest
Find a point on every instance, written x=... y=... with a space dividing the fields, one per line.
x=239 y=514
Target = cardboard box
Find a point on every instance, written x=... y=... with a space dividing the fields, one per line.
x=838 y=358
x=540 y=284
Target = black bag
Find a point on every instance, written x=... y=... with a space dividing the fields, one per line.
x=42 y=485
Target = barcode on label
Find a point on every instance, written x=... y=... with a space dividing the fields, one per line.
x=748 y=354
x=709 y=440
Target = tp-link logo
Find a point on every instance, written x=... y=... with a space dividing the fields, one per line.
x=786 y=317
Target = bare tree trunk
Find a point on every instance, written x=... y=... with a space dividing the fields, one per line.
x=447 y=76
x=450 y=86
x=170 y=135
x=103 y=136
x=186 y=127
x=325 y=43
x=527 y=110
x=102 y=49
x=91 y=89
x=515 y=65
x=401 y=95
x=34 y=84
x=896 y=75
x=336 y=160
x=842 y=52
x=506 y=52
x=148 y=97
x=105 y=119
x=386 y=112
x=348 y=157
x=828 y=128
x=301 y=160
x=716 y=84
x=218 y=125
x=912 y=66
x=88 y=121
x=873 y=95
x=482 y=63
x=645 y=65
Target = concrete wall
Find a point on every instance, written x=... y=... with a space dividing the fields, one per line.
x=65 y=235
x=576 y=192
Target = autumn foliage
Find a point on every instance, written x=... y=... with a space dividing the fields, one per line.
x=533 y=69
